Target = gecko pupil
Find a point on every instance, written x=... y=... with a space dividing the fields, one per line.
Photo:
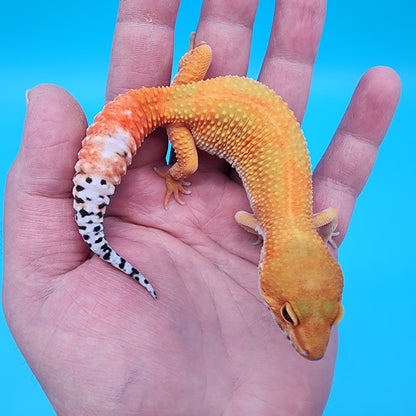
x=286 y=315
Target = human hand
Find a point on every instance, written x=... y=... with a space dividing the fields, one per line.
x=97 y=342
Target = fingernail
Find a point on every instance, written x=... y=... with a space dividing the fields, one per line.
x=27 y=96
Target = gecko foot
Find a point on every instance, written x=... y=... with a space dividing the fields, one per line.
x=325 y=222
x=173 y=186
x=331 y=241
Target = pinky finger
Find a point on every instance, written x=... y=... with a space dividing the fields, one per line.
x=347 y=163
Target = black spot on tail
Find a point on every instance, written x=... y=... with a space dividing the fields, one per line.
x=122 y=264
x=84 y=213
x=133 y=272
x=105 y=247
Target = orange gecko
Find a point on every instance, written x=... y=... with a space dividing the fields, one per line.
x=252 y=128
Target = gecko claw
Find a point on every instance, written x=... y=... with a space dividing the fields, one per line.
x=331 y=241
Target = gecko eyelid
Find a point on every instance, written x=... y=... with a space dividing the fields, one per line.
x=289 y=315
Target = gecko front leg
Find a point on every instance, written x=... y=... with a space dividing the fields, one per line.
x=249 y=223
x=327 y=222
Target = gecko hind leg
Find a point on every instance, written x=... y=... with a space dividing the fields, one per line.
x=186 y=162
x=192 y=67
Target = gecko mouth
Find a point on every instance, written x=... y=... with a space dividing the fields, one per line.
x=300 y=350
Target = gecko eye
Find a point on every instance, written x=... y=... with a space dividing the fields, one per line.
x=289 y=315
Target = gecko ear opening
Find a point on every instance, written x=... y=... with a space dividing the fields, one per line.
x=288 y=314
x=340 y=315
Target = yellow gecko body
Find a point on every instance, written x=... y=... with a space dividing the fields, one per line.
x=248 y=125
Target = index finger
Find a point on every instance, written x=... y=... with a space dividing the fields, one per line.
x=142 y=45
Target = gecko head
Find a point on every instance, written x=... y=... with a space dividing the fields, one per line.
x=308 y=332
x=305 y=298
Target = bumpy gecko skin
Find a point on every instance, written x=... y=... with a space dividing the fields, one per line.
x=252 y=128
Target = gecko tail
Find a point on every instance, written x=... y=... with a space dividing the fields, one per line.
x=91 y=197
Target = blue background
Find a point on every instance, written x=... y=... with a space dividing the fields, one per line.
x=69 y=43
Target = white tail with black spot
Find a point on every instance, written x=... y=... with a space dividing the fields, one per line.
x=106 y=152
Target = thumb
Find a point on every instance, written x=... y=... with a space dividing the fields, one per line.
x=38 y=214
x=54 y=128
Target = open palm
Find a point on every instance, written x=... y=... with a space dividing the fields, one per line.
x=96 y=340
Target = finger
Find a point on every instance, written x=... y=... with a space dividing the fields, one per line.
x=227 y=27
x=54 y=128
x=142 y=56
x=293 y=45
x=39 y=226
x=346 y=165
x=142 y=45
